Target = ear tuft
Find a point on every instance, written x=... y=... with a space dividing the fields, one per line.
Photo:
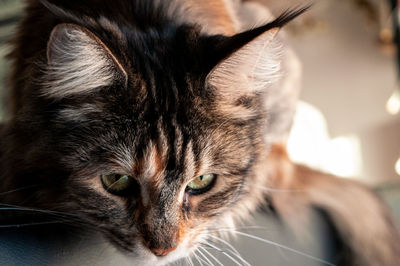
x=250 y=69
x=288 y=16
x=249 y=62
x=78 y=62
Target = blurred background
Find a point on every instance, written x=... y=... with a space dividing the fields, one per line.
x=348 y=122
x=10 y=13
x=348 y=119
x=348 y=54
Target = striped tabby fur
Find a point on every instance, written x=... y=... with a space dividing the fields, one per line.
x=165 y=91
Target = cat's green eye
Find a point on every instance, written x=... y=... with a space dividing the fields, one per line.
x=201 y=183
x=116 y=183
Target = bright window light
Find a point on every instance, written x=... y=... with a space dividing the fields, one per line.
x=393 y=104
x=397 y=166
x=309 y=143
x=343 y=156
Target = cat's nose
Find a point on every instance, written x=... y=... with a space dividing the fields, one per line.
x=161 y=252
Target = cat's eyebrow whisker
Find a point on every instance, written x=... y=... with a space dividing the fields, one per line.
x=211 y=255
x=283 y=247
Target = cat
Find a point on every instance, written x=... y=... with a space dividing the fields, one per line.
x=156 y=121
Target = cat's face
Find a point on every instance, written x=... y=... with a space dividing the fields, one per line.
x=157 y=157
x=153 y=139
x=158 y=162
x=156 y=181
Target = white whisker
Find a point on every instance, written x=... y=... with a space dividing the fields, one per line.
x=233 y=250
x=21 y=208
x=28 y=224
x=211 y=255
x=15 y=190
x=62 y=217
x=197 y=258
x=205 y=257
x=190 y=261
x=224 y=252
x=250 y=227
x=226 y=243
x=283 y=247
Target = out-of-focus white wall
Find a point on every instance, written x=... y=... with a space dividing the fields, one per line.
x=349 y=77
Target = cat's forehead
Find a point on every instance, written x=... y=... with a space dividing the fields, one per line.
x=168 y=163
x=169 y=52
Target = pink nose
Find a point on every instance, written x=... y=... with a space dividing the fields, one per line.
x=161 y=252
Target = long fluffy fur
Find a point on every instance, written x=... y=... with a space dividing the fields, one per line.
x=78 y=63
x=151 y=109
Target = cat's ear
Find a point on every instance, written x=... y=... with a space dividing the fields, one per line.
x=250 y=69
x=248 y=62
x=78 y=62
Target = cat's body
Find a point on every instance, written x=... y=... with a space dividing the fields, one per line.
x=159 y=93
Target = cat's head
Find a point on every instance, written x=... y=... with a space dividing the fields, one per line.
x=150 y=135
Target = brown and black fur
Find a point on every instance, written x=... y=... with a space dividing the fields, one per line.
x=167 y=113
